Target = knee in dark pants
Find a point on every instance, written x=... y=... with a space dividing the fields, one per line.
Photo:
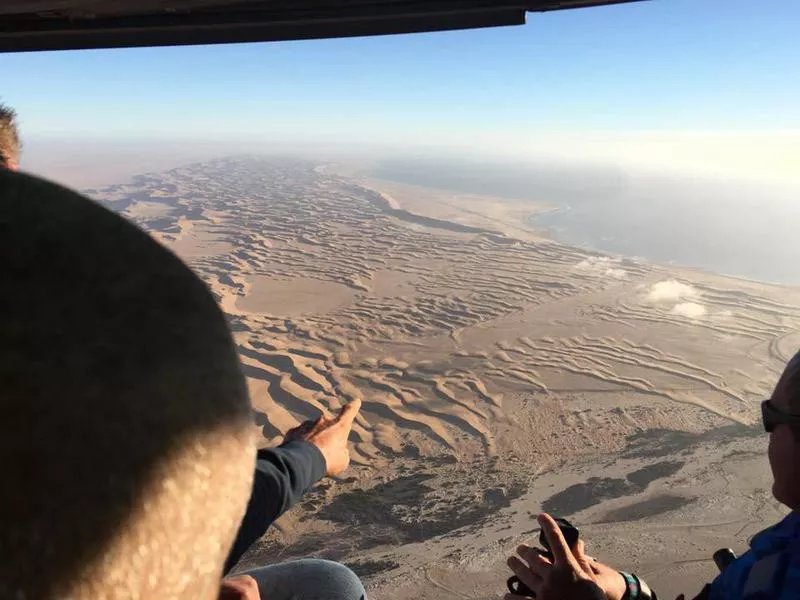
x=308 y=579
x=342 y=583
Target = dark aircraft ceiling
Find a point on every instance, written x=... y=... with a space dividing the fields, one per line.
x=27 y=25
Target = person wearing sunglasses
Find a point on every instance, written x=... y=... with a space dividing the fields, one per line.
x=770 y=569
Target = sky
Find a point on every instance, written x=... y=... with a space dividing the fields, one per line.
x=708 y=85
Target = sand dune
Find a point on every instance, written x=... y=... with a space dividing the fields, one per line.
x=293 y=297
x=489 y=360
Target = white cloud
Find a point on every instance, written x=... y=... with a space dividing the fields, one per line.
x=671 y=291
x=682 y=297
x=602 y=266
x=693 y=310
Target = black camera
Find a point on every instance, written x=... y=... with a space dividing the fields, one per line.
x=571 y=535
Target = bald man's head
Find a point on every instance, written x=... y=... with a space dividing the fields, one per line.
x=124 y=417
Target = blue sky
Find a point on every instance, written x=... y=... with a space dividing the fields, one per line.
x=667 y=66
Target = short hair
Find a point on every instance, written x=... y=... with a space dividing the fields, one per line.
x=119 y=383
x=9 y=136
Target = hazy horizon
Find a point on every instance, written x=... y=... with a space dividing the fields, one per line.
x=724 y=225
x=650 y=122
x=698 y=88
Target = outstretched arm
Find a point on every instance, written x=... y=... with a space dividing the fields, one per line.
x=285 y=473
x=282 y=476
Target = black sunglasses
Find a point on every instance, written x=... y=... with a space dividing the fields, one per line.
x=772 y=417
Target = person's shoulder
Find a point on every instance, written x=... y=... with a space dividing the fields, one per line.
x=767 y=578
x=771 y=569
x=775 y=575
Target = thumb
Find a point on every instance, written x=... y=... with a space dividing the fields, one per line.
x=349 y=412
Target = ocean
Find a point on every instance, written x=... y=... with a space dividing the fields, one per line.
x=732 y=228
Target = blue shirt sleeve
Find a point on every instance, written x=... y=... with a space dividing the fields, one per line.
x=782 y=582
x=770 y=569
x=282 y=476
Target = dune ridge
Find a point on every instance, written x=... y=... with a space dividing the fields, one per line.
x=487 y=362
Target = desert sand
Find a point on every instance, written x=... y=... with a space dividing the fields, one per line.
x=502 y=373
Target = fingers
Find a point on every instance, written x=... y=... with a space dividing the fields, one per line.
x=562 y=555
x=526 y=576
x=584 y=561
x=579 y=551
x=527 y=553
x=540 y=565
x=349 y=412
x=536 y=562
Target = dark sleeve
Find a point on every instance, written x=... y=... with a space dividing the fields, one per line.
x=282 y=476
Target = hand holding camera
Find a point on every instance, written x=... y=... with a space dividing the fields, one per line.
x=561 y=569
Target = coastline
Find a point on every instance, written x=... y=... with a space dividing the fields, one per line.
x=474 y=213
x=684 y=226
x=672 y=265
x=526 y=224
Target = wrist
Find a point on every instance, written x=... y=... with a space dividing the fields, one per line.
x=635 y=588
x=617 y=590
x=316 y=457
x=320 y=448
x=631 y=586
